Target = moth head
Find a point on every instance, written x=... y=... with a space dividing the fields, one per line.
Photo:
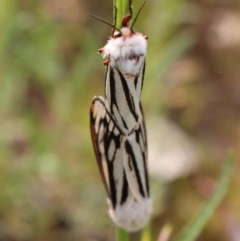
x=123 y=32
x=124 y=43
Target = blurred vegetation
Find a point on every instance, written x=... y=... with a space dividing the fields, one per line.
x=49 y=72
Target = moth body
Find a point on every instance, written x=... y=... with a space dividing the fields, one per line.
x=118 y=130
x=126 y=50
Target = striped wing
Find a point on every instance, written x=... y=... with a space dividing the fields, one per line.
x=108 y=146
x=123 y=95
x=122 y=164
x=135 y=163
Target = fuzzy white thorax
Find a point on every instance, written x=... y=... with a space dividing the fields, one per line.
x=126 y=52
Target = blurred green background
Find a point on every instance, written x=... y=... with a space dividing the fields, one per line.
x=49 y=72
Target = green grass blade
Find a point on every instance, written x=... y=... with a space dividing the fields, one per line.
x=191 y=232
x=122 y=235
x=121 y=6
x=147 y=232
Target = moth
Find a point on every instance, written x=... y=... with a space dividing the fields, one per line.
x=118 y=128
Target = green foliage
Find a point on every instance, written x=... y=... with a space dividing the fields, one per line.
x=43 y=107
x=192 y=231
x=121 y=6
x=122 y=235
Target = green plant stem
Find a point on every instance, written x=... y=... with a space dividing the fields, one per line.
x=121 y=6
x=147 y=232
x=122 y=235
x=192 y=231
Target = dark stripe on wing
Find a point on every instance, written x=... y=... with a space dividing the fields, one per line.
x=128 y=96
x=113 y=194
x=95 y=138
x=124 y=189
x=101 y=142
x=143 y=73
x=112 y=100
x=143 y=135
x=136 y=81
x=132 y=159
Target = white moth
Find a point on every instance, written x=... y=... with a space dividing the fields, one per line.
x=118 y=129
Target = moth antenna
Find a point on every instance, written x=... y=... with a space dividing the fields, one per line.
x=135 y=19
x=104 y=21
x=115 y=14
x=115 y=18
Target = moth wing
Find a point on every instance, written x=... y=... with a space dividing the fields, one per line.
x=134 y=213
x=136 y=162
x=107 y=142
x=128 y=207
